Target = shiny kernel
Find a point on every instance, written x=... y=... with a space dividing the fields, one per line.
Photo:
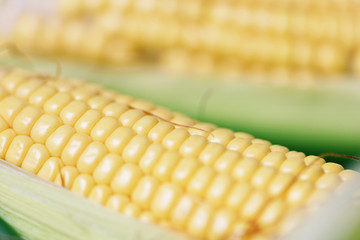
x=225 y=163
x=25 y=89
x=175 y=138
x=129 y=117
x=107 y=167
x=263 y=176
x=221 y=224
x=311 y=173
x=6 y=137
x=3 y=125
x=18 y=149
x=150 y=157
x=164 y=199
x=280 y=183
x=253 y=205
x=185 y=169
x=12 y=80
x=10 y=107
x=257 y=150
x=57 y=102
x=87 y=121
x=273 y=159
x=245 y=168
x=117 y=202
x=239 y=144
x=117 y=140
x=163 y=113
x=100 y=194
x=199 y=220
x=294 y=154
x=292 y=165
x=278 y=148
x=160 y=130
x=272 y=212
x=310 y=160
x=35 y=158
x=115 y=109
x=144 y=191
x=328 y=181
x=218 y=189
x=126 y=178
x=83 y=93
x=182 y=120
x=193 y=145
x=237 y=195
x=221 y=135
x=348 y=174
x=69 y=173
x=201 y=180
x=63 y=86
x=83 y=184
x=50 y=169
x=147 y=217
x=182 y=210
x=98 y=102
x=74 y=147
x=145 y=124
x=91 y=157
x=135 y=149
x=41 y=95
x=121 y=98
x=103 y=128
x=73 y=111
x=3 y=92
x=165 y=166
x=44 y=126
x=55 y=143
x=261 y=142
x=298 y=192
x=211 y=152
x=131 y=210
x=243 y=135
x=332 y=167
x=26 y=119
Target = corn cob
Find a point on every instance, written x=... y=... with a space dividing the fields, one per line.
x=154 y=165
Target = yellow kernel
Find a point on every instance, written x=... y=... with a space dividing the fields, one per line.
x=147 y=217
x=221 y=135
x=294 y=154
x=41 y=95
x=348 y=174
x=117 y=202
x=117 y=141
x=182 y=119
x=182 y=209
x=199 y=183
x=135 y=149
x=237 y=195
x=278 y=148
x=292 y=165
x=142 y=105
x=50 y=169
x=57 y=102
x=144 y=191
x=18 y=149
x=166 y=165
x=100 y=194
x=126 y=178
x=3 y=125
x=211 y=152
x=263 y=176
x=73 y=111
x=145 y=124
x=199 y=220
x=238 y=144
x=150 y=157
x=44 y=126
x=218 y=188
x=332 y=167
x=160 y=130
x=56 y=142
x=225 y=163
x=87 y=121
x=298 y=192
x=103 y=128
x=164 y=199
x=107 y=168
x=318 y=196
x=35 y=158
x=121 y=98
x=25 y=89
x=84 y=92
x=3 y=92
x=245 y=168
x=253 y=205
x=69 y=173
x=272 y=212
x=26 y=119
x=129 y=117
x=74 y=147
x=328 y=181
x=6 y=137
x=220 y=224
x=273 y=159
x=184 y=171
x=115 y=109
x=13 y=79
x=243 y=135
x=10 y=107
x=310 y=160
x=98 y=102
x=311 y=173
x=280 y=183
x=131 y=210
x=83 y=184
x=193 y=146
x=257 y=150
x=63 y=86
x=163 y=113
x=175 y=138
x=91 y=156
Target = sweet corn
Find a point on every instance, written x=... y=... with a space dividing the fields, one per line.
x=152 y=168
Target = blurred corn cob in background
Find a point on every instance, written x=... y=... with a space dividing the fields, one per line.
x=279 y=40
